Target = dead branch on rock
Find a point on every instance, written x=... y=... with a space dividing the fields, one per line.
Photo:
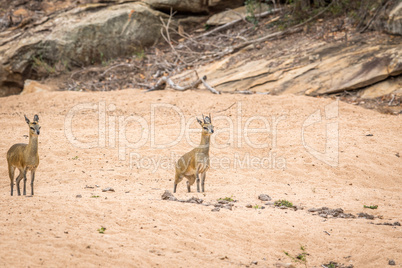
x=203 y=80
x=160 y=85
x=227 y=25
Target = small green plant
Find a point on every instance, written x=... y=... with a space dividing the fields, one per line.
x=283 y=202
x=75 y=157
x=301 y=257
x=251 y=7
x=102 y=230
x=331 y=265
x=140 y=54
x=371 y=207
x=95 y=196
x=229 y=199
x=40 y=65
x=257 y=207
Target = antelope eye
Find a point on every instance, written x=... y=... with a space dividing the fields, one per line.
x=32 y=128
x=205 y=128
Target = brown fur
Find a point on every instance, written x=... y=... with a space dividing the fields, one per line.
x=195 y=163
x=24 y=157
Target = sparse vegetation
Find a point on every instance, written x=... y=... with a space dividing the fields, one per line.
x=41 y=66
x=95 y=196
x=102 y=230
x=300 y=258
x=283 y=202
x=229 y=199
x=251 y=7
x=371 y=207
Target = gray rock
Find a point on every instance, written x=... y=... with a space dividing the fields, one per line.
x=391 y=262
x=394 y=23
x=77 y=38
x=167 y=195
x=264 y=197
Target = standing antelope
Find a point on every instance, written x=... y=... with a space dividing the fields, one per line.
x=195 y=163
x=24 y=157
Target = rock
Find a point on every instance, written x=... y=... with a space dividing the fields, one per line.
x=78 y=196
x=394 y=23
x=228 y=206
x=391 y=262
x=108 y=189
x=194 y=200
x=284 y=265
x=78 y=38
x=383 y=88
x=215 y=209
x=193 y=6
x=359 y=64
x=232 y=15
x=249 y=206
x=31 y=86
x=365 y=215
x=264 y=197
x=167 y=195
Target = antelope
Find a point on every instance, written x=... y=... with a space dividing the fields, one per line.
x=24 y=157
x=195 y=163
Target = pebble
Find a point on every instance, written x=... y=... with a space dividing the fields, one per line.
x=264 y=197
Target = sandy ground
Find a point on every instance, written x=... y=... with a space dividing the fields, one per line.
x=130 y=131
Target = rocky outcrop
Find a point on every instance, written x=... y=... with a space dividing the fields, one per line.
x=394 y=23
x=84 y=35
x=327 y=69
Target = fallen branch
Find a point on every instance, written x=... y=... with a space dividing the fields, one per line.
x=375 y=15
x=165 y=79
x=208 y=86
x=227 y=25
x=226 y=108
x=294 y=29
x=115 y=66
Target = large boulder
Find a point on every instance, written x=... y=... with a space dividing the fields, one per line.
x=394 y=23
x=85 y=35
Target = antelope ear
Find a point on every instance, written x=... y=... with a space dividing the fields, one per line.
x=36 y=118
x=210 y=118
x=26 y=119
x=199 y=121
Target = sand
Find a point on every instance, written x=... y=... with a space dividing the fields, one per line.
x=133 y=140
